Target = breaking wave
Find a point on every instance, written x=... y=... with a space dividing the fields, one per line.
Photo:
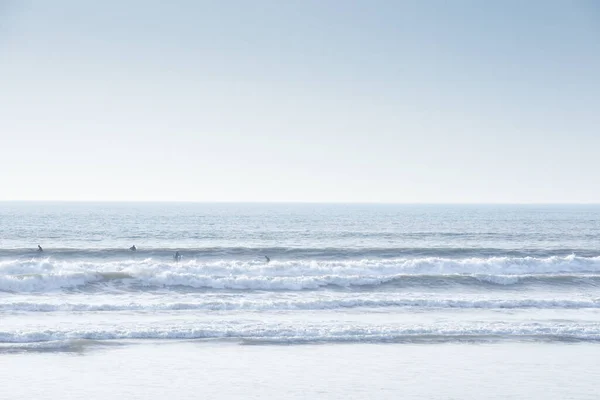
x=49 y=275
x=290 y=334
x=303 y=304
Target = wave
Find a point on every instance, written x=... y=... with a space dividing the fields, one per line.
x=48 y=275
x=279 y=333
x=97 y=281
x=289 y=253
x=302 y=304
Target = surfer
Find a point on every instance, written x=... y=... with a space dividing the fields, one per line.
x=132 y=248
x=268 y=259
x=40 y=248
x=177 y=256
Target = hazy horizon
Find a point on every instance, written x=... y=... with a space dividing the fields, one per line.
x=294 y=203
x=320 y=102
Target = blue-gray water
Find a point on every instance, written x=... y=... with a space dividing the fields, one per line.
x=338 y=273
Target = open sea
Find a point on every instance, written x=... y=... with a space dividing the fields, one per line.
x=357 y=301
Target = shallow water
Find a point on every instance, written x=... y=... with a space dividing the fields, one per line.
x=191 y=370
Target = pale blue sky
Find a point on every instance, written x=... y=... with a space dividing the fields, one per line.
x=383 y=101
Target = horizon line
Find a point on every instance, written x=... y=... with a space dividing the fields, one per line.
x=301 y=202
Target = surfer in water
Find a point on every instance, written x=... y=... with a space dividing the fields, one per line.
x=177 y=256
x=40 y=248
x=268 y=260
x=133 y=248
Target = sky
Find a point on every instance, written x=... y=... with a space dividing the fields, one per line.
x=305 y=101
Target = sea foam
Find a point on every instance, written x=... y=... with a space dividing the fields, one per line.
x=48 y=274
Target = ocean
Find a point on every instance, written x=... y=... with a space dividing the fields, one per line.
x=357 y=300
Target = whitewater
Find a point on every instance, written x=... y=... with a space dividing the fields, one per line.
x=349 y=274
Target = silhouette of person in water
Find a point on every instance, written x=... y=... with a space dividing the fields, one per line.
x=132 y=248
x=40 y=248
x=268 y=259
x=177 y=256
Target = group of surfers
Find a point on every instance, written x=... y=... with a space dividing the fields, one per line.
x=176 y=256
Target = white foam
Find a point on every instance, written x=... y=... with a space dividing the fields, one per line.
x=311 y=332
x=47 y=275
x=246 y=304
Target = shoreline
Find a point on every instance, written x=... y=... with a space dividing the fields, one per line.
x=196 y=369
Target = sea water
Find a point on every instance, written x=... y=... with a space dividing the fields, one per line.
x=413 y=281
